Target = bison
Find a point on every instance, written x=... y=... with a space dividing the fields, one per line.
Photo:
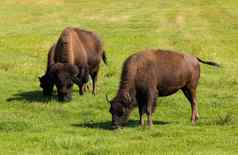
x=76 y=55
x=152 y=73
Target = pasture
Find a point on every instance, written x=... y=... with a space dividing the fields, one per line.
x=33 y=124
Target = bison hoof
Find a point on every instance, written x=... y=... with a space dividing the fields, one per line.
x=150 y=124
x=142 y=124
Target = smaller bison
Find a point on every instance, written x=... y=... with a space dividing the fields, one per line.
x=75 y=56
x=151 y=73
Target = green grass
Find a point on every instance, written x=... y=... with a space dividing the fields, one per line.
x=31 y=124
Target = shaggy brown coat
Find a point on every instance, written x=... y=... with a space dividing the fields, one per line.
x=151 y=73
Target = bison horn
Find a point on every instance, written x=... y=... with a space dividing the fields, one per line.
x=107 y=99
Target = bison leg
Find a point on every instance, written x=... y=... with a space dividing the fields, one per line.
x=151 y=101
x=141 y=100
x=94 y=80
x=190 y=94
x=141 y=113
x=149 y=119
x=81 y=89
x=84 y=76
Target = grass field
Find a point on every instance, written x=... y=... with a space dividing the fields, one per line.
x=31 y=124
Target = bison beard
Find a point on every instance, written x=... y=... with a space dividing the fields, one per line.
x=152 y=73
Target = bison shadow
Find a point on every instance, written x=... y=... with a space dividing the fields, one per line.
x=107 y=125
x=31 y=96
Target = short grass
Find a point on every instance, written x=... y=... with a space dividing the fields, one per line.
x=31 y=124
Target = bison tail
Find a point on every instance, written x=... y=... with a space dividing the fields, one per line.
x=208 y=62
x=104 y=58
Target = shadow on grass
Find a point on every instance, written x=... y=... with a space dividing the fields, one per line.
x=107 y=125
x=30 y=96
x=14 y=126
x=218 y=120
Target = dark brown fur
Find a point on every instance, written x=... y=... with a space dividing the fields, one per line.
x=78 y=50
x=95 y=53
x=152 y=73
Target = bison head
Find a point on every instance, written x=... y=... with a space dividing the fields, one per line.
x=64 y=76
x=120 y=110
x=47 y=84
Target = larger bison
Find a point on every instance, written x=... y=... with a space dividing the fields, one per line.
x=75 y=56
x=153 y=73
